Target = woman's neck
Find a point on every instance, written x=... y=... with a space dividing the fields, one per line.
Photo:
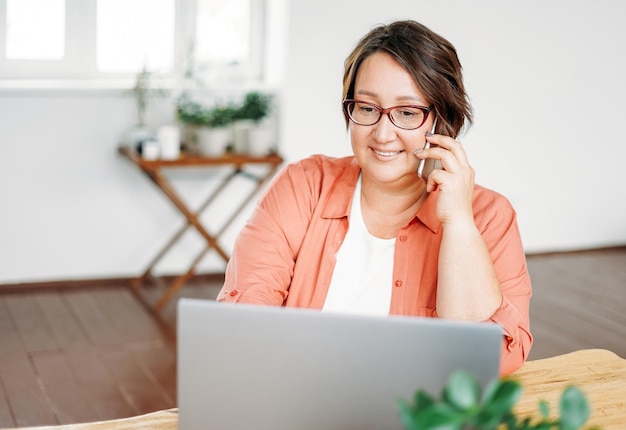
x=386 y=209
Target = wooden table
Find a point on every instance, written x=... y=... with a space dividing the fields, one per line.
x=154 y=169
x=599 y=373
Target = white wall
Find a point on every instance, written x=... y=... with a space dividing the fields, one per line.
x=546 y=80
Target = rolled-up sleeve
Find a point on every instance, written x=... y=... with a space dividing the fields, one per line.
x=499 y=228
x=261 y=266
x=286 y=227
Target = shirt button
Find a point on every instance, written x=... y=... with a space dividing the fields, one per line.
x=398 y=283
x=233 y=293
x=403 y=238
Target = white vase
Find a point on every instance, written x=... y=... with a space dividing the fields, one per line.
x=189 y=137
x=212 y=142
x=150 y=149
x=241 y=132
x=169 y=140
x=261 y=141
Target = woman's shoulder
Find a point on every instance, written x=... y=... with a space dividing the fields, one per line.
x=323 y=162
x=491 y=204
x=321 y=167
x=316 y=180
x=487 y=196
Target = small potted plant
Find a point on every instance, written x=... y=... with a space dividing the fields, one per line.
x=143 y=91
x=462 y=407
x=214 y=136
x=250 y=136
x=191 y=115
x=255 y=106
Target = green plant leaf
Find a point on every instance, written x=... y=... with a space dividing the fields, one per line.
x=489 y=390
x=459 y=409
x=503 y=395
x=221 y=116
x=190 y=112
x=461 y=391
x=439 y=416
x=544 y=409
x=486 y=421
x=255 y=106
x=407 y=415
x=523 y=425
x=422 y=400
x=574 y=409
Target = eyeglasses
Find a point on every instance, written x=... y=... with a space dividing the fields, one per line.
x=404 y=117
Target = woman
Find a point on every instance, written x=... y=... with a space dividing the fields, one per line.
x=364 y=234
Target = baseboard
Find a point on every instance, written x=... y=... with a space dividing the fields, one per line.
x=100 y=283
x=597 y=250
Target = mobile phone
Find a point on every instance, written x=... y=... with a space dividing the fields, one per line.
x=427 y=165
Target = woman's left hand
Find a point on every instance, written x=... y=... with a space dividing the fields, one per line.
x=455 y=181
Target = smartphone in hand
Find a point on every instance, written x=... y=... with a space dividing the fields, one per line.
x=427 y=165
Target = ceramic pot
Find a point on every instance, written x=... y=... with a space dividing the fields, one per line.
x=169 y=140
x=261 y=141
x=241 y=132
x=212 y=142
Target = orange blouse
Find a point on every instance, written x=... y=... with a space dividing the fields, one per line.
x=285 y=255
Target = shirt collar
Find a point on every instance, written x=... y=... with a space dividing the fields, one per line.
x=340 y=198
x=427 y=212
x=338 y=205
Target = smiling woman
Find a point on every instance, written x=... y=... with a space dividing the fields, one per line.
x=365 y=234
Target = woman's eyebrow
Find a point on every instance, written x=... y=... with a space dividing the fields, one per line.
x=366 y=93
x=402 y=99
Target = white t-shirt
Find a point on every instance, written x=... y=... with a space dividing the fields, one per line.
x=362 y=279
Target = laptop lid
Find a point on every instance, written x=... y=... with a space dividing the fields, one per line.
x=273 y=368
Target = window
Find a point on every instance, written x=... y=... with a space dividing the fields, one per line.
x=36 y=35
x=224 y=33
x=111 y=39
x=129 y=38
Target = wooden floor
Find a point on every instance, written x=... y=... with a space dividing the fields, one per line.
x=86 y=354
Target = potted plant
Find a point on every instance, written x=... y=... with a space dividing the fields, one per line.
x=191 y=115
x=214 y=136
x=255 y=107
x=143 y=91
x=462 y=407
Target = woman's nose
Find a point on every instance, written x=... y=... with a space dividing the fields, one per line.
x=385 y=130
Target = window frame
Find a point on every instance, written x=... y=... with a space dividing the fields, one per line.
x=78 y=70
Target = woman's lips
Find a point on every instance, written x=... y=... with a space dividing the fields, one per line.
x=386 y=153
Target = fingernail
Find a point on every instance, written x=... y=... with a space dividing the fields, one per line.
x=418 y=151
x=428 y=134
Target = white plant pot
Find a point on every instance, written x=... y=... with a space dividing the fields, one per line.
x=190 y=138
x=169 y=140
x=212 y=142
x=261 y=141
x=150 y=149
x=241 y=132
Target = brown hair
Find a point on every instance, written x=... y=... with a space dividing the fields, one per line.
x=429 y=58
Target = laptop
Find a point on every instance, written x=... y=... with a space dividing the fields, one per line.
x=273 y=368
